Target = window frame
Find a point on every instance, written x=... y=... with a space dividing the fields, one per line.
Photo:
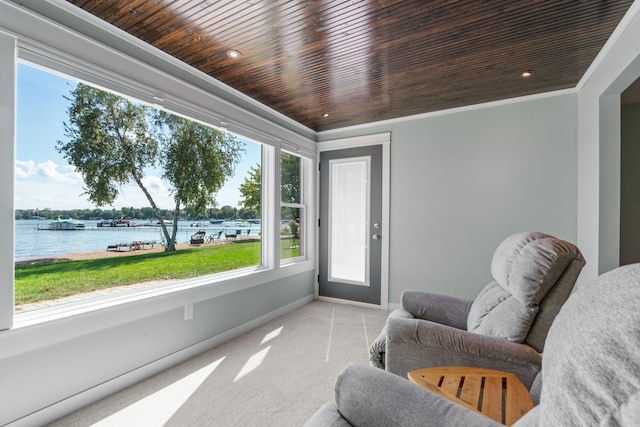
x=267 y=195
x=303 y=204
x=7 y=175
x=28 y=38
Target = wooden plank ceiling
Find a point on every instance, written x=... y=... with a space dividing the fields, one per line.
x=329 y=64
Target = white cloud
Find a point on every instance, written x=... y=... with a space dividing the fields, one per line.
x=25 y=169
x=50 y=185
x=154 y=183
x=48 y=170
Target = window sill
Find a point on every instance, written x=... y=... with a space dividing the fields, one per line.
x=48 y=326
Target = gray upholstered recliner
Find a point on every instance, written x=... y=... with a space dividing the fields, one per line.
x=590 y=372
x=504 y=328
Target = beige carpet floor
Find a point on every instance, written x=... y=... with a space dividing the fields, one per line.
x=276 y=375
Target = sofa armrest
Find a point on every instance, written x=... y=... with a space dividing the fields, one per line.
x=443 y=309
x=415 y=344
x=371 y=397
x=327 y=416
x=377 y=348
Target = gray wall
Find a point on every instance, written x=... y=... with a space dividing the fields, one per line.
x=617 y=66
x=461 y=182
x=33 y=380
x=45 y=363
x=630 y=184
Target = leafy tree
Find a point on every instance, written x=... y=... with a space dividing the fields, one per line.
x=251 y=190
x=247 y=213
x=147 y=213
x=290 y=181
x=290 y=190
x=111 y=141
x=227 y=212
x=197 y=160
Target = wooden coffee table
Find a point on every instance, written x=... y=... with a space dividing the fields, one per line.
x=498 y=395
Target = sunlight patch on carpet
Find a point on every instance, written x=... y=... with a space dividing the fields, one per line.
x=366 y=336
x=271 y=335
x=333 y=316
x=158 y=408
x=253 y=363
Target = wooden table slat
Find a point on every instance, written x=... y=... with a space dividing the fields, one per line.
x=492 y=398
x=471 y=389
x=518 y=402
x=451 y=384
x=485 y=384
x=433 y=378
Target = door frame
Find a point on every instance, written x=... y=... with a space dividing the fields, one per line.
x=383 y=139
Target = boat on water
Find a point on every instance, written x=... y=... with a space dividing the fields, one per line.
x=115 y=223
x=66 y=224
x=216 y=221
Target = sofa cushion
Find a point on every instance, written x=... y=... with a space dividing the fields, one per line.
x=496 y=312
x=591 y=368
x=524 y=267
x=371 y=397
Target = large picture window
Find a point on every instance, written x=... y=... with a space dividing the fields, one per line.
x=112 y=193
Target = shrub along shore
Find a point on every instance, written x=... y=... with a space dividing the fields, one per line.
x=80 y=256
x=56 y=277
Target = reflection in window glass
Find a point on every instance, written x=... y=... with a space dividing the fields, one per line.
x=290 y=182
x=292 y=212
x=290 y=227
x=101 y=178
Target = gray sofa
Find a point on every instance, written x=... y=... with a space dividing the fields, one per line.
x=504 y=328
x=590 y=372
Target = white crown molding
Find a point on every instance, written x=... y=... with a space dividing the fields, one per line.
x=328 y=134
x=356 y=141
x=634 y=10
x=63 y=7
x=87 y=25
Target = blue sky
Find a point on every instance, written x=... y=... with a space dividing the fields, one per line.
x=44 y=179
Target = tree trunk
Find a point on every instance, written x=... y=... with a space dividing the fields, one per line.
x=171 y=240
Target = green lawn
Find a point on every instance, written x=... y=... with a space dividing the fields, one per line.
x=42 y=282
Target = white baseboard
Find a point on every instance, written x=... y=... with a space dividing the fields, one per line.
x=389 y=307
x=73 y=403
x=349 y=302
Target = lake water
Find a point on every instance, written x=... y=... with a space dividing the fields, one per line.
x=34 y=240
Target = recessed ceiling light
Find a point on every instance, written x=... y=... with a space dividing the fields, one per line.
x=526 y=73
x=233 y=54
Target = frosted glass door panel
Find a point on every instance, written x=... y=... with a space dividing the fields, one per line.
x=349 y=215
